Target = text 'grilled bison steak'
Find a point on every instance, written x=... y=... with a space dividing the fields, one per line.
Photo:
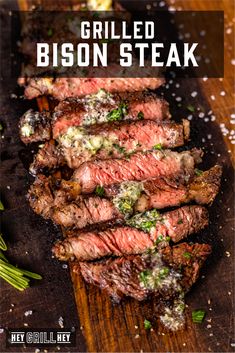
x=124 y=276
x=139 y=166
x=107 y=141
x=62 y=87
x=144 y=231
x=91 y=109
x=60 y=201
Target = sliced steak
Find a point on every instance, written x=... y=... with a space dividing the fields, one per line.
x=139 y=166
x=122 y=276
x=89 y=110
x=176 y=225
x=101 y=108
x=118 y=140
x=69 y=209
x=48 y=156
x=62 y=88
x=107 y=141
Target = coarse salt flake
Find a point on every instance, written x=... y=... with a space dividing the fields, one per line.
x=61 y=322
x=28 y=312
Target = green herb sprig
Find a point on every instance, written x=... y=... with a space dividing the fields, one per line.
x=198 y=316
x=147 y=324
x=99 y=190
x=119 y=113
x=15 y=276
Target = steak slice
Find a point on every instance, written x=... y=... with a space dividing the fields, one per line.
x=144 y=231
x=122 y=276
x=60 y=200
x=63 y=87
x=96 y=108
x=48 y=156
x=118 y=140
x=139 y=166
x=91 y=109
x=107 y=141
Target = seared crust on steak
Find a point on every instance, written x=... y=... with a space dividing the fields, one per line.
x=60 y=200
x=35 y=126
x=48 y=156
x=177 y=225
x=121 y=277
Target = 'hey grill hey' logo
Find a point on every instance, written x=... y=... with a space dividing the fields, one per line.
x=36 y=337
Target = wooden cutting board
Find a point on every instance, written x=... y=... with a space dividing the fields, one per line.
x=104 y=327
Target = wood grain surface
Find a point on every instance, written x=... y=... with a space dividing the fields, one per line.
x=100 y=325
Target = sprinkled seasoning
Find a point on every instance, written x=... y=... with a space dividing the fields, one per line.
x=129 y=193
x=194 y=94
x=145 y=221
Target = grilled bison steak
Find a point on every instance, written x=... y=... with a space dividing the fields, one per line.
x=101 y=108
x=62 y=88
x=145 y=230
x=139 y=166
x=89 y=110
x=50 y=154
x=122 y=276
x=69 y=209
x=109 y=141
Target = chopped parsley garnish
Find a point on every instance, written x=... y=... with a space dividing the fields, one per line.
x=99 y=190
x=164 y=272
x=191 y=108
x=1 y=206
x=144 y=277
x=119 y=148
x=147 y=324
x=140 y=115
x=125 y=206
x=158 y=147
x=187 y=255
x=198 y=172
x=145 y=221
x=180 y=221
x=49 y=32
x=198 y=316
x=161 y=238
x=119 y=113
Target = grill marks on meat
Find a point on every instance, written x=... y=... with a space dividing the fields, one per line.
x=62 y=88
x=139 y=166
x=177 y=225
x=121 y=277
x=75 y=111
